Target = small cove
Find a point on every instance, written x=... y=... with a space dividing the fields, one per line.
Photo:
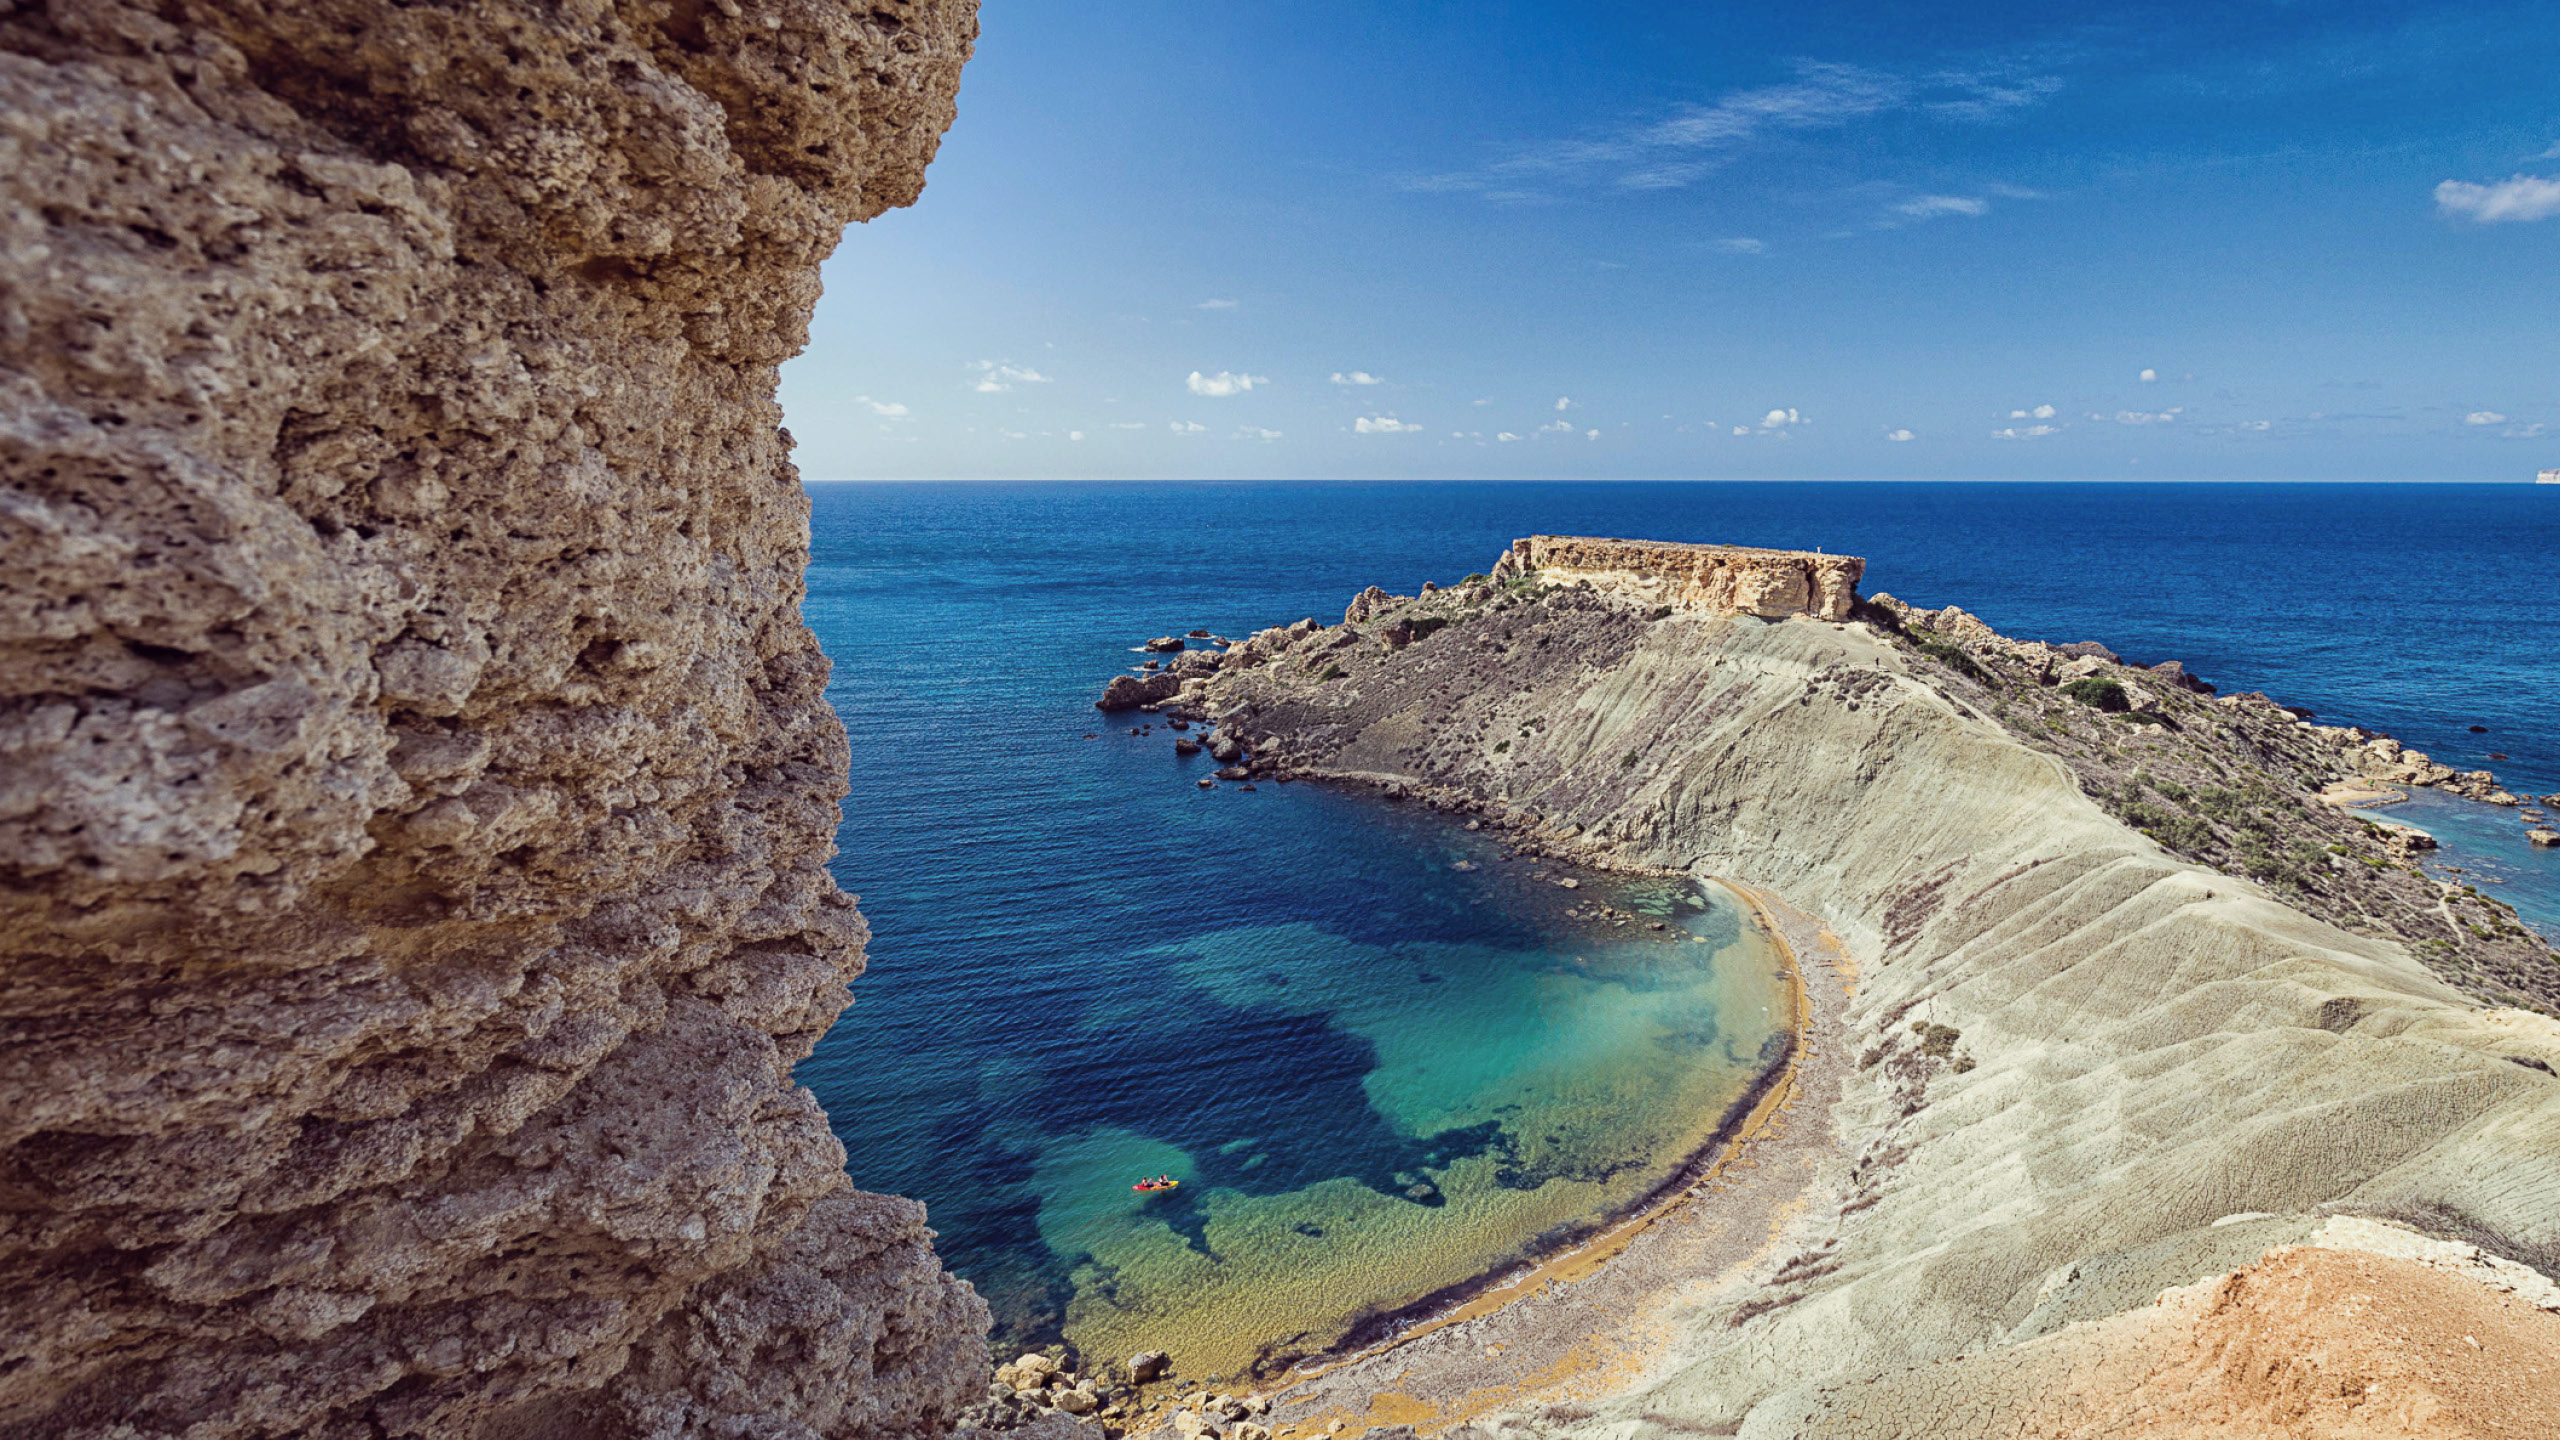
x=1085 y=970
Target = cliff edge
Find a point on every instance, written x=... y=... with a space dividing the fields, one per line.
x=2131 y=1011
x=415 y=783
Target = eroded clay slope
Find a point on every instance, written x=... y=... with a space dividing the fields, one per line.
x=415 y=785
x=2077 y=1050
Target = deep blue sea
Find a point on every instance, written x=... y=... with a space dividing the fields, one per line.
x=1380 y=1057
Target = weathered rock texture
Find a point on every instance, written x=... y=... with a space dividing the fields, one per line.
x=1717 y=579
x=2078 y=1048
x=415 y=784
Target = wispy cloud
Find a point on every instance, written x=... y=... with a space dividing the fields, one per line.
x=1384 y=425
x=881 y=407
x=1899 y=435
x=1558 y=427
x=2519 y=197
x=1215 y=305
x=1128 y=424
x=1741 y=245
x=2147 y=417
x=998 y=376
x=1356 y=377
x=1256 y=432
x=1930 y=207
x=1224 y=383
x=2041 y=412
x=1187 y=427
x=1506 y=437
x=2484 y=417
x=2026 y=432
x=1695 y=138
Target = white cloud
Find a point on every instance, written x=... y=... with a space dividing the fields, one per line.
x=1777 y=418
x=2551 y=154
x=881 y=407
x=1556 y=427
x=1563 y=404
x=1383 y=425
x=2030 y=432
x=1741 y=429
x=2484 y=417
x=1480 y=404
x=2522 y=432
x=2148 y=376
x=1506 y=437
x=1698 y=138
x=1256 y=432
x=1224 y=383
x=1360 y=377
x=997 y=376
x=1899 y=435
x=2519 y=197
x=1128 y=424
x=2257 y=425
x=1075 y=434
x=2148 y=417
x=1215 y=305
x=1186 y=427
x=1741 y=245
x=1930 y=207
x=1590 y=434
x=2041 y=412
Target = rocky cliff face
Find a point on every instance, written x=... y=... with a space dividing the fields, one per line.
x=415 y=784
x=1715 y=579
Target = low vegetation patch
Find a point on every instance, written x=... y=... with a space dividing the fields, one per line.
x=2099 y=693
x=1955 y=659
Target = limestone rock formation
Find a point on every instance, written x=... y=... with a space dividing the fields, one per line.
x=415 y=782
x=1718 y=579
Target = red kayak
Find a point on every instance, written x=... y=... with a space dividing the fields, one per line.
x=1147 y=1187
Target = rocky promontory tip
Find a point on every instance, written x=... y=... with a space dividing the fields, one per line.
x=1714 y=579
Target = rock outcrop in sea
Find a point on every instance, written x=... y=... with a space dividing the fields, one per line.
x=415 y=781
x=2127 y=1007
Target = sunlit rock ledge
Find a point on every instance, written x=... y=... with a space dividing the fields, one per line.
x=1717 y=579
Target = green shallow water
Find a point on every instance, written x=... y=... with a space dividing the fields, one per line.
x=1544 y=1090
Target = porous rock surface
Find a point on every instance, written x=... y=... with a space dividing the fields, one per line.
x=415 y=782
x=2090 y=1068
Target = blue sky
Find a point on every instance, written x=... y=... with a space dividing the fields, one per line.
x=2237 y=241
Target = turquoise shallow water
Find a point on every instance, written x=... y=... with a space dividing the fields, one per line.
x=2485 y=845
x=1084 y=969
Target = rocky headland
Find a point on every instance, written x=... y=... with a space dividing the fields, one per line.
x=2143 y=1050
x=416 y=785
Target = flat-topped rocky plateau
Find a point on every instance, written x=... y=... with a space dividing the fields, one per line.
x=2148 y=1056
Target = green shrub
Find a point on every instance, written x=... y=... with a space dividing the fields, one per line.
x=1330 y=672
x=1954 y=659
x=1501 y=745
x=2099 y=693
x=2144 y=717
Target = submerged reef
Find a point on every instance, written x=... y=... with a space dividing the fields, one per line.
x=415 y=781
x=2128 y=1007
